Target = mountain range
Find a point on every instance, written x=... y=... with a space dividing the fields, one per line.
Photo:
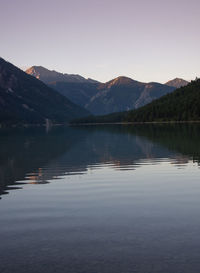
x=181 y=105
x=41 y=95
x=117 y=95
x=122 y=94
x=25 y=99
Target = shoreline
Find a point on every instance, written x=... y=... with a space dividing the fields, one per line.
x=2 y=126
x=132 y=123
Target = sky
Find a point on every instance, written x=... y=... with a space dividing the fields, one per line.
x=147 y=40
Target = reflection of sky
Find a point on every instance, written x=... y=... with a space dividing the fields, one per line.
x=139 y=216
x=149 y=40
x=157 y=165
x=107 y=179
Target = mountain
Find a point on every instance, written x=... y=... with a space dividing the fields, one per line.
x=24 y=99
x=181 y=105
x=49 y=76
x=177 y=83
x=79 y=93
x=122 y=94
x=117 y=95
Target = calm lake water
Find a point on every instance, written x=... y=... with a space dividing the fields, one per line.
x=107 y=199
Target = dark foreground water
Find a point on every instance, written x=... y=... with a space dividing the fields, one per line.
x=113 y=199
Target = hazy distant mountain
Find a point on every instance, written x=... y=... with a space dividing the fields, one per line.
x=177 y=82
x=49 y=76
x=24 y=99
x=122 y=94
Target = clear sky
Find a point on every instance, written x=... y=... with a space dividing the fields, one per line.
x=147 y=40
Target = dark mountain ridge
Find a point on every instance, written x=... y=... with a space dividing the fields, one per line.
x=24 y=99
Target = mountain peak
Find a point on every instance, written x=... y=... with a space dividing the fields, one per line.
x=49 y=76
x=121 y=80
x=177 y=82
x=36 y=71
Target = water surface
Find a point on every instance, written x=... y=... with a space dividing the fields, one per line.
x=100 y=199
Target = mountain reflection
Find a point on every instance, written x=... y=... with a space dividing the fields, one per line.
x=37 y=156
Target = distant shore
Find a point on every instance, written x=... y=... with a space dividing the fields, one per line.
x=91 y=123
x=129 y=123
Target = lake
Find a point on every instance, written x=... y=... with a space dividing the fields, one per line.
x=100 y=199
